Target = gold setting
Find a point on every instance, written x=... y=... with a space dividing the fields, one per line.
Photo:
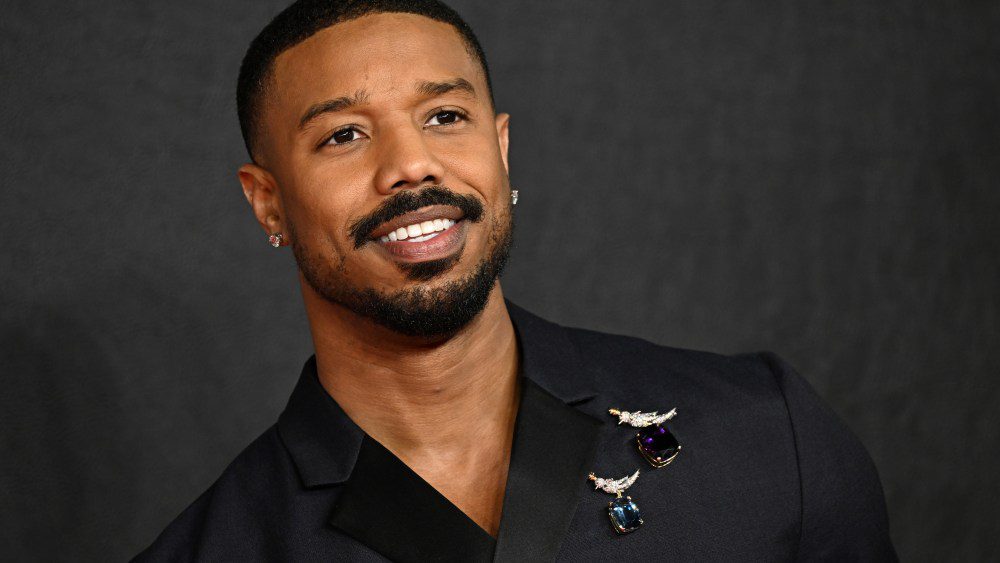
x=656 y=462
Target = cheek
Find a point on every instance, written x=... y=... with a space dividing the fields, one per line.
x=321 y=211
x=480 y=168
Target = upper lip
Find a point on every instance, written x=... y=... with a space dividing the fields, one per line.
x=428 y=213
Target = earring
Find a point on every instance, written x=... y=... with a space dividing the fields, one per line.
x=275 y=239
x=513 y=197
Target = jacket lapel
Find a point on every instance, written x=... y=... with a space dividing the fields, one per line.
x=388 y=507
x=321 y=439
x=553 y=444
x=382 y=503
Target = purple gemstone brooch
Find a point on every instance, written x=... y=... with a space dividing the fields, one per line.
x=655 y=442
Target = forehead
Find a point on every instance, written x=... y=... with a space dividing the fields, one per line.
x=382 y=53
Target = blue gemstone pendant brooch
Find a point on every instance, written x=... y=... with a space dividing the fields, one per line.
x=655 y=442
x=622 y=511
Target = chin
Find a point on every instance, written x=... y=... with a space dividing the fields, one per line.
x=437 y=298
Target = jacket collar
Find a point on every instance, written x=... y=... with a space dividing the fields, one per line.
x=553 y=447
x=550 y=358
x=324 y=443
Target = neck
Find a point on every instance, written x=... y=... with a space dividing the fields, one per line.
x=445 y=407
x=422 y=399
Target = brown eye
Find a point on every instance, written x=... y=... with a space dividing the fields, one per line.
x=343 y=136
x=446 y=118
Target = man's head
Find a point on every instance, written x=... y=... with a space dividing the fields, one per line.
x=378 y=154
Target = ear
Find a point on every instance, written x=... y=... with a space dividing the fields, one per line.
x=261 y=190
x=502 y=123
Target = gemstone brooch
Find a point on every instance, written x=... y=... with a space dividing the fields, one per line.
x=655 y=442
x=622 y=511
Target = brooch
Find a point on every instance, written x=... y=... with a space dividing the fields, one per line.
x=622 y=511
x=655 y=442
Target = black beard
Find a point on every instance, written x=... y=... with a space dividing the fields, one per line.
x=416 y=311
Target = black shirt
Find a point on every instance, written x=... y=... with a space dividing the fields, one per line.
x=766 y=471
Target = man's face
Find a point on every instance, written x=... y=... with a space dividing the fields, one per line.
x=383 y=163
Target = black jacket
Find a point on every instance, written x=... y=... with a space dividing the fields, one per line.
x=766 y=472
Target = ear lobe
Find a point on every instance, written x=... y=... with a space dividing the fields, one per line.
x=261 y=191
x=503 y=125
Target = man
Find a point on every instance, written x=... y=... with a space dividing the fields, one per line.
x=438 y=421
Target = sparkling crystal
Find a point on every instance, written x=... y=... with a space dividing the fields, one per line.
x=657 y=445
x=624 y=515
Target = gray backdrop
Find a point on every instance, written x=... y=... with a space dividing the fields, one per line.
x=818 y=179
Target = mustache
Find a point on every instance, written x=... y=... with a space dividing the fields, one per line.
x=406 y=201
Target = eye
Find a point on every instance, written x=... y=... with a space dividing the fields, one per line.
x=447 y=117
x=343 y=136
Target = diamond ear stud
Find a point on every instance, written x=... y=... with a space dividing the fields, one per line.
x=275 y=239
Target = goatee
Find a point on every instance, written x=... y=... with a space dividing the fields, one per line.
x=422 y=310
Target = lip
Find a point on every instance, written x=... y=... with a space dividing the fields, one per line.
x=428 y=213
x=445 y=244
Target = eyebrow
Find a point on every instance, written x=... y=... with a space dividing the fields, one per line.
x=427 y=88
x=430 y=88
x=330 y=106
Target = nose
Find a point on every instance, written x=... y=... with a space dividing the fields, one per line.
x=406 y=160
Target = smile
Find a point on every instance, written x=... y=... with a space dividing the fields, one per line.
x=419 y=232
x=431 y=233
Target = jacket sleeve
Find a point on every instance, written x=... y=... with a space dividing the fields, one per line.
x=843 y=506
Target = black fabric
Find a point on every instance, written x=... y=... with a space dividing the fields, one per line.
x=321 y=439
x=553 y=447
x=835 y=479
x=390 y=508
x=767 y=471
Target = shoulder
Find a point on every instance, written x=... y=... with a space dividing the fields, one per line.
x=225 y=520
x=757 y=397
x=637 y=364
x=843 y=504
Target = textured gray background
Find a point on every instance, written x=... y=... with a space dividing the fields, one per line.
x=818 y=179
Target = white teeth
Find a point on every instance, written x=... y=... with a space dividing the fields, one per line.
x=424 y=237
x=419 y=231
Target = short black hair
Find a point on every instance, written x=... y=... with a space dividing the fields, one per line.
x=305 y=18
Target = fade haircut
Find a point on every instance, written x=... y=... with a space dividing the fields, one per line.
x=305 y=18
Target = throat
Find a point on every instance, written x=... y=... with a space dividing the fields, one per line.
x=470 y=467
x=446 y=410
x=473 y=478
